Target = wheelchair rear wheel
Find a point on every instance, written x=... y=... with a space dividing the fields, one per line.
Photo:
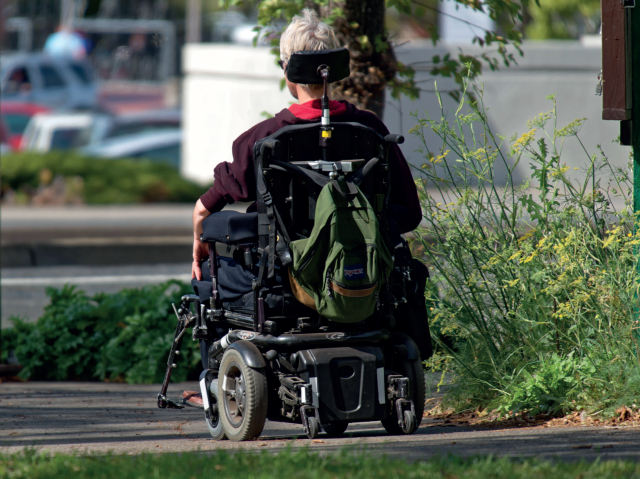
x=335 y=428
x=243 y=398
x=414 y=371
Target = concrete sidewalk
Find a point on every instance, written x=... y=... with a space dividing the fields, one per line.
x=124 y=419
x=97 y=235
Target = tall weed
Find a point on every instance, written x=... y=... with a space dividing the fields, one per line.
x=534 y=298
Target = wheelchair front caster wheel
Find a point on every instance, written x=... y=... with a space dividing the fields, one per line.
x=408 y=423
x=212 y=415
x=314 y=427
x=243 y=397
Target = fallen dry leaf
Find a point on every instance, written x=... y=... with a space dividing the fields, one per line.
x=317 y=441
x=623 y=413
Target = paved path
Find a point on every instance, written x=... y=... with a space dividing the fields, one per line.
x=101 y=417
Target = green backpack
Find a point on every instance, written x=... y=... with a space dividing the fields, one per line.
x=341 y=268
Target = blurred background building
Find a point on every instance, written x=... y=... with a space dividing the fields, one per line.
x=114 y=57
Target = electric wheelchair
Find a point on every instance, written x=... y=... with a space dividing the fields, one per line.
x=265 y=354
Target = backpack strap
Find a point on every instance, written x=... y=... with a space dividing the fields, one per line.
x=266 y=216
x=351 y=192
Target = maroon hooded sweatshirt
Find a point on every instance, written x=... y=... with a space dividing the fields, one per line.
x=236 y=181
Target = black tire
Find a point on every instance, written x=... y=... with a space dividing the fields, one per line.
x=414 y=371
x=409 y=421
x=411 y=317
x=314 y=428
x=335 y=428
x=243 y=398
x=212 y=416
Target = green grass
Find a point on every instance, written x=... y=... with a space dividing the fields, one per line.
x=300 y=464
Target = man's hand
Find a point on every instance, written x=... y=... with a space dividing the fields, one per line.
x=200 y=252
x=200 y=249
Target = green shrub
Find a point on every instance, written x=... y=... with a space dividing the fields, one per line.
x=96 y=181
x=121 y=336
x=535 y=304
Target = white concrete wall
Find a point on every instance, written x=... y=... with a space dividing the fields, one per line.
x=227 y=87
x=516 y=94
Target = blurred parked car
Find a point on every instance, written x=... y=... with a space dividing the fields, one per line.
x=162 y=146
x=104 y=127
x=53 y=82
x=55 y=131
x=4 y=138
x=14 y=117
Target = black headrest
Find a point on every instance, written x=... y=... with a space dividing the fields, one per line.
x=303 y=66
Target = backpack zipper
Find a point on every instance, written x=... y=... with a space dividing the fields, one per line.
x=353 y=288
x=306 y=262
x=328 y=284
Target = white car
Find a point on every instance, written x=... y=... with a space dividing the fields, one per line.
x=105 y=127
x=58 y=83
x=163 y=146
x=55 y=131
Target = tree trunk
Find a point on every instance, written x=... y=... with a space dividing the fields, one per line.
x=373 y=62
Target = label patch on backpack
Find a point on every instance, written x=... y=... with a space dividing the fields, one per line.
x=355 y=271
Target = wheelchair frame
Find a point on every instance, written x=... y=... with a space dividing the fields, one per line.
x=318 y=373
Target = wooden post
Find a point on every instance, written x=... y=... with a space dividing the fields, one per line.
x=616 y=64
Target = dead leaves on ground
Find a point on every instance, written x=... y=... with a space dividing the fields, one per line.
x=624 y=417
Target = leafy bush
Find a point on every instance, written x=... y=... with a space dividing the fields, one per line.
x=535 y=304
x=93 y=180
x=123 y=336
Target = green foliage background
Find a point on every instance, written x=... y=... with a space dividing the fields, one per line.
x=123 y=336
x=563 y=19
x=102 y=181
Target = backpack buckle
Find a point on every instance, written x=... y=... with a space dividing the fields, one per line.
x=267 y=198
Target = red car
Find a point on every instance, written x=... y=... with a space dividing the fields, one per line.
x=14 y=117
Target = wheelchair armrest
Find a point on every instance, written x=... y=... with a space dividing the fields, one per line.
x=230 y=227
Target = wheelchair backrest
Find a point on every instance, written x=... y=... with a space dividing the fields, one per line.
x=352 y=146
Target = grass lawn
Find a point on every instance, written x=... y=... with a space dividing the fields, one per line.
x=303 y=464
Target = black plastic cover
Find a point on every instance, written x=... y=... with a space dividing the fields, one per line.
x=303 y=66
x=347 y=382
x=249 y=353
x=230 y=227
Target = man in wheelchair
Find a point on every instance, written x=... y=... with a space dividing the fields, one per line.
x=308 y=307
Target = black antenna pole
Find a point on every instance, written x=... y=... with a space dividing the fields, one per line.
x=325 y=128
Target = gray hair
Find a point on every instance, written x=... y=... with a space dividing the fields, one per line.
x=306 y=32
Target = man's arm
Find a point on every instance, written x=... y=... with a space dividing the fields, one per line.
x=200 y=249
